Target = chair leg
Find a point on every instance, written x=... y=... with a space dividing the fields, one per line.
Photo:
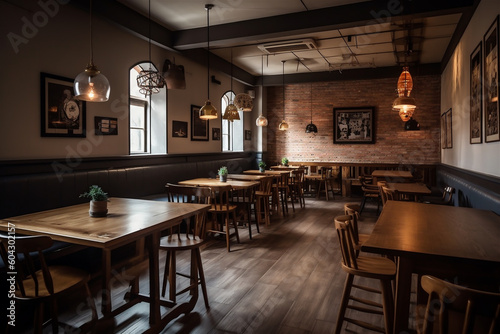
x=172 y=277
x=267 y=212
x=38 y=320
x=55 y=322
x=202 y=276
x=235 y=224
x=228 y=235
x=343 y=304
x=165 y=274
x=388 y=304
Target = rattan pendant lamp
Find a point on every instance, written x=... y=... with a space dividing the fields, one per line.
x=262 y=120
x=91 y=85
x=283 y=125
x=208 y=111
x=311 y=127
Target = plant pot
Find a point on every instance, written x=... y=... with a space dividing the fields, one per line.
x=223 y=178
x=98 y=208
x=262 y=169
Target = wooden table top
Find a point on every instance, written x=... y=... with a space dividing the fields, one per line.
x=247 y=177
x=127 y=220
x=266 y=172
x=422 y=230
x=206 y=182
x=410 y=188
x=392 y=173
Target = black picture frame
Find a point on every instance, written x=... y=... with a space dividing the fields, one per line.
x=61 y=114
x=491 y=103
x=106 y=126
x=446 y=129
x=476 y=95
x=354 y=125
x=215 y=133
x=179 y=129
x=199 y=127
x=248 y=134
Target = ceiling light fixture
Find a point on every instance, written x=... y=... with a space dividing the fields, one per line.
x=91 y=84
x=208 y=111
x=404 y=103
x=311 y=127
x=283 y=125
x=231 y=113
x=243 y=102
x=262 y=120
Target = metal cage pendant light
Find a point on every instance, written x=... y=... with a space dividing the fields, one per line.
x=404 y=103
x=208 y=111
x=91 y=85
x=311 y=127
x=283 y=125
x=262 y=120
x=150 y=81
x=231 y=113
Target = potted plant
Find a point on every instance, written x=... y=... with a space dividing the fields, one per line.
x=262 y=166
x=98 y=201
x=223 y=173
x=284 y=161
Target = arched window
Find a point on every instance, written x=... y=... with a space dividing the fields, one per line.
x=232 y=132
x=147 y=117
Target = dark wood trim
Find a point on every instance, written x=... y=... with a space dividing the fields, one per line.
x=486 y=181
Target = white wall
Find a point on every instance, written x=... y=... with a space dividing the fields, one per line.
x=59 y=44
x=455 y=94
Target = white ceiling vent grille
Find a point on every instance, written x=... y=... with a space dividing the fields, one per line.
x=288 y=46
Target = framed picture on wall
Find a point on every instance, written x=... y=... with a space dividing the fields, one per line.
x=490 y=90
x=199 y=127
x=61 y=114
x=248 y=134
x=105 y=126
x=215 y=133
x=476 y=96
x=179 y=129
x=353 y=125
x=446 y=130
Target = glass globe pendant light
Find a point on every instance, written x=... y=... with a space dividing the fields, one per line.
x=283 y=125
x=91 y=85
x=208 y=111
x=262 y=120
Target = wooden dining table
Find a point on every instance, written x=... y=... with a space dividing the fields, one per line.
x=455 y=243
x=412 y=189
x=129 y=220
x=246 y=177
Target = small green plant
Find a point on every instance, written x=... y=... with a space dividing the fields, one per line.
x=262 y=164
x=95 y=193
x=222 y=171
x=284 y=161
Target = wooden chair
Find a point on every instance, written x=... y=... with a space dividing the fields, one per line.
x=359 y=238
x=262 y=198
x=475 y=311
x=370 y=191
x=40 y=283
x=221 y=205
x=296 y=186
x=282 y=190
x=389 y=194
x=326 y=182
x=378 y=268
x=192 y=238
x=244 y=199
x=445 y=199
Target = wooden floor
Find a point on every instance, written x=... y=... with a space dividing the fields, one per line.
x=287 y=279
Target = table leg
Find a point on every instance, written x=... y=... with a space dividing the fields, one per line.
x=153 y=243
x=402 y=297
x=106 y=282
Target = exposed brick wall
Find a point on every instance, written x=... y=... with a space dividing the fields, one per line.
x=392 y=143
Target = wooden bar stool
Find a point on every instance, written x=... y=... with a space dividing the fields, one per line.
x=220 y=200
x=262 y=197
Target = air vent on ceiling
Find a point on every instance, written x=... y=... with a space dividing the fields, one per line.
x=288 y=46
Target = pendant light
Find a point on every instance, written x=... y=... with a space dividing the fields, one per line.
x=283 y=125
x=91 y=84
x=243 y=102
x=150 y=81
x=311 y=127
x=231 y=113
x=262 y=120
x=404 y=103
x=208 y=111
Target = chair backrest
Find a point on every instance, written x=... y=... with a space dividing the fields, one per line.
x=221 y=198
x=354 y=219
x=477 y=307
x=189 y=194
x=345 y=232
x=28 y=258
x=390 y=195
x=448 y=194
x=266 y=184
x=297 y=176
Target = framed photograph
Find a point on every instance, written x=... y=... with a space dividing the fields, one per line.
x=476 y=96
x=248 y=134
x=105 y=126
x=490 y=90
x=353 y=125
x=61 y=114
x=215 y=133
x=199 y=127
x=446 y=130
x=179 y=129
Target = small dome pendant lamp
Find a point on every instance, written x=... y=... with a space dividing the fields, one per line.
x=311 y=127
x=208 y=111
x=262 y=120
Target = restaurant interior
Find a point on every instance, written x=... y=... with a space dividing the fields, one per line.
x=298 y=166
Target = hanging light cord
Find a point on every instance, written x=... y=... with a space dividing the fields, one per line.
x=232 y=71
x=91 y=47
x=149 y=32
x=283 y=89
x=311 y=102
x=208 y=7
